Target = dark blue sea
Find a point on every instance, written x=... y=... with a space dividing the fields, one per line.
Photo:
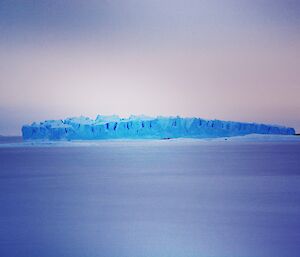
x=150 y=198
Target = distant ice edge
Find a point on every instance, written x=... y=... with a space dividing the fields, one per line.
x=142 y=127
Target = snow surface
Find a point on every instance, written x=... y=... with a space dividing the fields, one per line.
x=151 y=198
x=12 y=142
x=142 y=127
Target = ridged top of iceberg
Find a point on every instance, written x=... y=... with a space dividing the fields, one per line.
x=106 y=127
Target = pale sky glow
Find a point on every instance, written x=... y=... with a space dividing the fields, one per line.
x=232 y=60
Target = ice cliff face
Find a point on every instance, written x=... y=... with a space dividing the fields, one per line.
x=107 y=127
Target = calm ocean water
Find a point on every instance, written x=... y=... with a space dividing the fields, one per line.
x=180 y=198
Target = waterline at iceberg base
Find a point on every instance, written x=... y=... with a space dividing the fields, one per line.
x=142 y=127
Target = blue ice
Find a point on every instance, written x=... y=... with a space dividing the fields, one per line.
x=143 y=127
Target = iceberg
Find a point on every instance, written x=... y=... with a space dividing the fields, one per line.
x=144 y=127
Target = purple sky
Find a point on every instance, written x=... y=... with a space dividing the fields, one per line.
x=231 y=60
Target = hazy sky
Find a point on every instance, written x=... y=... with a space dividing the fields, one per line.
x=232 y=60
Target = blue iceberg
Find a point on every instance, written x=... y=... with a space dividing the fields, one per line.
x=143 y=127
